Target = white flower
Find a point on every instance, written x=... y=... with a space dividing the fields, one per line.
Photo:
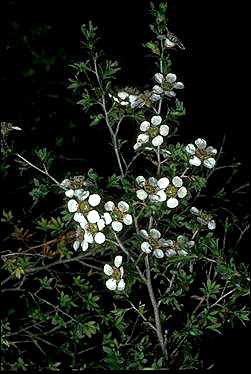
x=147 y=98
x=118 y=215
x=84 y=238
x=166 y=84
x=152 y=132
x=179 y=247
x=203 y=218
x=172 y=191
x=92 y=230
x=125 y=99
x=149 y=189
x=201 y=153
x=116 y=282
x=83 y=207
x=153 y=242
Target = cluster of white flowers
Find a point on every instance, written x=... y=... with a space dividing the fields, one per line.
x=179 y=247
x=116 y=282
x=201 y=153
x=166 y=84
x=152 y=132
x=92 y=222
x=203 y=218
x=161 y=190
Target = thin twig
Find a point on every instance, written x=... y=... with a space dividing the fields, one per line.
x=45 y=172
x=155 y=306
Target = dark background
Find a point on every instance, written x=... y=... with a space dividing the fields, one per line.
x=35 y=97
x=35 y=94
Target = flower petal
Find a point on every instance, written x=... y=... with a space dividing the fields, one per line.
x=152 y=181
x=157 y=90
x=161 y=195
x=194 y=210
x=121 y=271
x=209 y=162
x=84 y=245
x=107 y=218
x=69 y=193
x=158 y=77
x=144 y=233
x=172 y=202
x=171 y=78
x=121 y=285
x=107 y=269
x=94 y=199
x=155 y=198
x=211 y=151
x=65 y=183
x=127 y=219
x=117 y=226
x=145 y=246
x=163 y=182
x=142 y=138
x=72 y=205
x=123 y=95
x=155 y=234
x=158 y=253
x=140 y=180
x=76 y=245
x=211 y=224
x=88 y=237
x=93 y=216
x=190 y=148
x=111 y=284
x=99 y=238
x=144 y=126
x=101 y=224
x=195 y=161
x=157 y=141
x=201 y=143
x=170 y=252
x=79 y=217
x=156 y=120
x=109 y=206
x=118 y=261
x=123 y=206
x=164 y=130
x=177 y=181
x=182 y=192
x=178 y=85
x=168 y=43
x=81 y=194
x=141 y=194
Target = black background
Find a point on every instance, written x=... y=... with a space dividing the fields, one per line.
x=210 y=67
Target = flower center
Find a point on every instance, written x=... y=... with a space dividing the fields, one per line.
x=171 y=191
x=201 y=153
x=84 y=207
x=117 y=215
x=167 y=86
x=116 y=274
x=153 y=131
x=92 y=228
x=154 y=243
x=149 y=188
